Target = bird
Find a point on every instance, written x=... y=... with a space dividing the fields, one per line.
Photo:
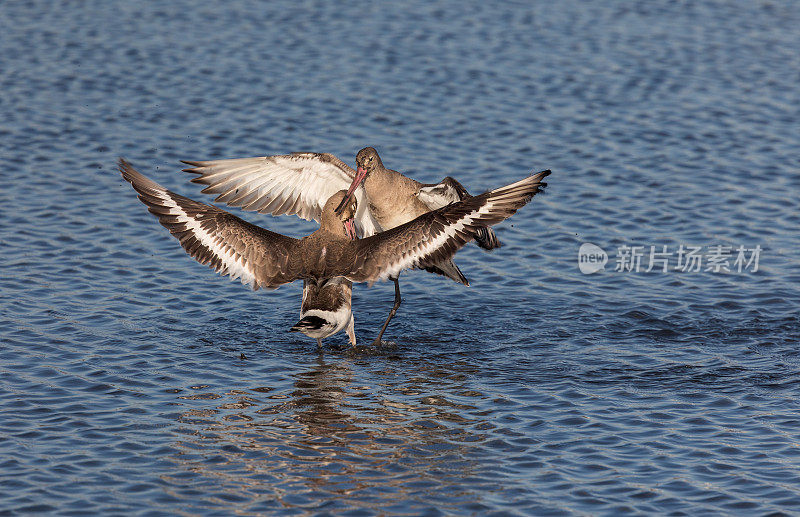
x=265 y=259
x=299 y=183
x=396 y=199
x=326 y=309
x=214 y=237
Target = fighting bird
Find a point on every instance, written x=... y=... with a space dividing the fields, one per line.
x=299 y=183
x=326 y=304
x=265 y=259
x=326 y=309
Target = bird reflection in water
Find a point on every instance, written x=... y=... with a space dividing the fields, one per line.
x=332 y=443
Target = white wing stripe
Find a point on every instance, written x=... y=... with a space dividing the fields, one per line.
x=231 y=264
x=413 y=258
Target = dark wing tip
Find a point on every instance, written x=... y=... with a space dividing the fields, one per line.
x=539 y=184
x=130 y=174
x=539 y=176
x=123 y=164
x=196 y=166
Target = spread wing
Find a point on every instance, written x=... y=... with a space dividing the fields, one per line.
x=216 y=238
x=291 y=184
x=437 y=235
x=451 y=191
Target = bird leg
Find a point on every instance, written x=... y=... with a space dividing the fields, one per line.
x=319 y=344
x=351 y=331
x=397 y=300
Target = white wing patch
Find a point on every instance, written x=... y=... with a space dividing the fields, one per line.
x=366 y=224
x=438 y=196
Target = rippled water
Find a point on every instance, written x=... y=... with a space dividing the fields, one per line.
x=135 y=380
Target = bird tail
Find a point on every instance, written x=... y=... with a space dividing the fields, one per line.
x=308 y=323
x=486 y=238
x=449 y=269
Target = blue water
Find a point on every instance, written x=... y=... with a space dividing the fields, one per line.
x=135 y=381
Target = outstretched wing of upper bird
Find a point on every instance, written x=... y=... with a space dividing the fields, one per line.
x=437 y=235
x=214 y=237
x=297 y=183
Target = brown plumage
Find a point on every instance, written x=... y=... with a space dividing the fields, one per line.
x=396 y=199
x=267 y=259
x=300 y=183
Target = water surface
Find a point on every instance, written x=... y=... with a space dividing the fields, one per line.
x=135 y=381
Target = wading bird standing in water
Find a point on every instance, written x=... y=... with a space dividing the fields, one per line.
x=266 y=259
x=326 y=309
x=300 y=183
